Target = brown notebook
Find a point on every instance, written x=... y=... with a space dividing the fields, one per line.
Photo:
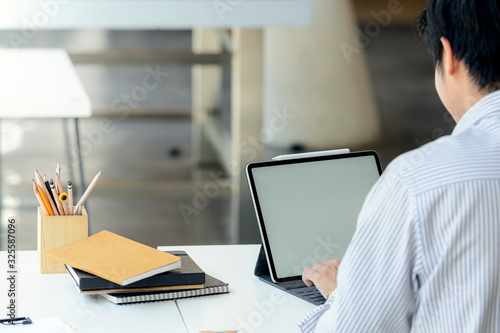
x=115 y=258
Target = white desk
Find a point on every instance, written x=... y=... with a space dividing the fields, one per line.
x=251 y=306
x=41 y=83
x=56 y=295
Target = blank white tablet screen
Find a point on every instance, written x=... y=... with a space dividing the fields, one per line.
x=310 y=209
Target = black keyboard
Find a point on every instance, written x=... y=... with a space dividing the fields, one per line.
x=299 y=289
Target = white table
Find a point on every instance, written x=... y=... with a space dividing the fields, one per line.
x=50 y=295
x=251 y=305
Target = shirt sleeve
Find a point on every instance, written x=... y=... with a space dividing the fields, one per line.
x=309 y=322
x=377 y=279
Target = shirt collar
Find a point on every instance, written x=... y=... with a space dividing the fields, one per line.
x=486 y=106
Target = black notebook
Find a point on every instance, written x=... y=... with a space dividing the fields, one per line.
x=189 y=274
x=213 y=286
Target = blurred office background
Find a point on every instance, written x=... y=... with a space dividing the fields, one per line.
x=147 y=158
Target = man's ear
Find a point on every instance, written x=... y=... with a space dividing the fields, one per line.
x=450 y=63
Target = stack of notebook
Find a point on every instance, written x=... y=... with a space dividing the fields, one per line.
x=212 y=286
x=124 y=271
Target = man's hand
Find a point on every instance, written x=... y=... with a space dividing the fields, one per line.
x=322 y=275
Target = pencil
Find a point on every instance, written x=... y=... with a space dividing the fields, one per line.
x=59 y=187
x=51 y=196
x=87 y=191
x=40 y=182
x=58 y=168
x=70 y=198
x=44 y=199
x=54 y=193
x=39 y=198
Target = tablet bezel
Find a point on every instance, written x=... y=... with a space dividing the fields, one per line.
x=256 y=203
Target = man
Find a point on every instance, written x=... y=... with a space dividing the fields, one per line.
x=425 y=256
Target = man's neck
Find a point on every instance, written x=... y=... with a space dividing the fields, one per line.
x=468 y=101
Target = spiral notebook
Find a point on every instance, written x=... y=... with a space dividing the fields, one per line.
x=213 y=286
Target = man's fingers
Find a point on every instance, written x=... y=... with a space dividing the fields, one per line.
x=323 y=276
x=313 y=274
x=309 y=276
x=331 y=262
x=320 y=267
x=327 y=265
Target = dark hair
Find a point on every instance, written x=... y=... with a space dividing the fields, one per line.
x=473 y=29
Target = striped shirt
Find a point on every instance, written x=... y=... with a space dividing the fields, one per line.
x=425 y=256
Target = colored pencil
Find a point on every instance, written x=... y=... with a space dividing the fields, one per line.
x=45 y=200
x=39 y=198
x=87 y=192
x=40 y=182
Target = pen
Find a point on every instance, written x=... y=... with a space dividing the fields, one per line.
x=51 y=197
x=40 y=182
x=54 y=193
x=16 y=321
x=87 y=192
x=70 y=198
x=79 y=210
x=45 y=200
x=312 y=154
x=39 y=198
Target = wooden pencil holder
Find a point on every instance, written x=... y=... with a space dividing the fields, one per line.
x=56 y=231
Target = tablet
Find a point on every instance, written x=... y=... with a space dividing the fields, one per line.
x=307 y=208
